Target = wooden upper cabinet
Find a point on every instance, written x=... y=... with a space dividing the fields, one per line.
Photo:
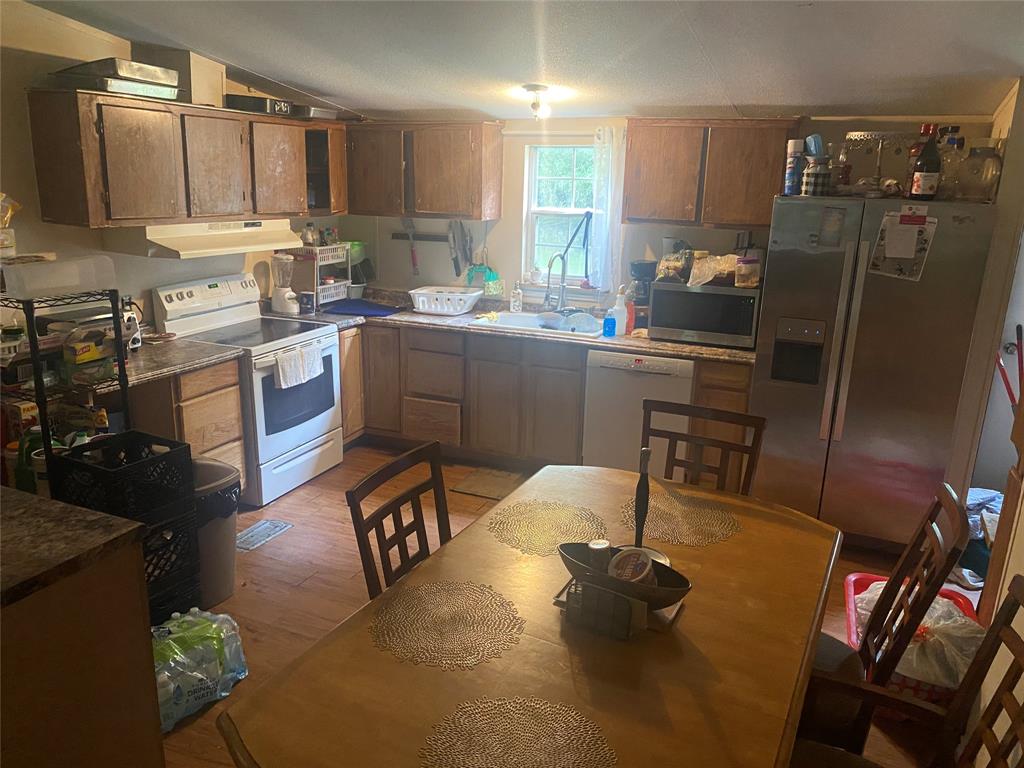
x=338 y=169
x=456 y=171
x=744 y=170
x=142 y=163
x=216 y=165
x=278 y=167
x=663 y=164
x=376 y=171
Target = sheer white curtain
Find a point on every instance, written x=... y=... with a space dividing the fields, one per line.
x=606 y=228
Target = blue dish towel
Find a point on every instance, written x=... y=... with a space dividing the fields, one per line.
x=361 y=307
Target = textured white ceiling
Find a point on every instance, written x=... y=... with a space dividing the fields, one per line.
x=732 y=58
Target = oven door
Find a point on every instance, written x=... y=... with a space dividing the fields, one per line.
x=288 y=418
x=706 y=314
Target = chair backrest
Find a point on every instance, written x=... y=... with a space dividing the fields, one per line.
x=1001 y=725
x=430 y=453
x=913 y=585
x=697 y=463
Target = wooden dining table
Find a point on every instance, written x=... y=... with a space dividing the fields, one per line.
x=722 y=686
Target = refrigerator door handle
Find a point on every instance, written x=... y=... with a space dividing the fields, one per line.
x=842 y=307
x=851 y=339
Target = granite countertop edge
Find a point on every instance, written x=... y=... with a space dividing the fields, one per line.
x=623 y=344
x=45 y=541
x=217 y=353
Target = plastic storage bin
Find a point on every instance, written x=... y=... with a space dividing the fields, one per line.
x=434 y=300
x=217 y=491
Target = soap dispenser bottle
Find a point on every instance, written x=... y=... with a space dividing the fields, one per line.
x=619 y=312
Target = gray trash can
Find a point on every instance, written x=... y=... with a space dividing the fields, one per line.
x=216 y=496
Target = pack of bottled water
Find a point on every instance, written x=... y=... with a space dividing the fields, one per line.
x=198 y=658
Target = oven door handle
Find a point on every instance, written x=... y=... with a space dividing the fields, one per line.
x=270 y=361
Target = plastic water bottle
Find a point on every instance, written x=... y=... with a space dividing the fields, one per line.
x=794 y=167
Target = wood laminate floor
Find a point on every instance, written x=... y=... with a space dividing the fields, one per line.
x=295 y=588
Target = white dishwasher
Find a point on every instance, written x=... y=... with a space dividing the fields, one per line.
x=617 y=384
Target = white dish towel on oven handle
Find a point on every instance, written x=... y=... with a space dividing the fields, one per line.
x=297 y=366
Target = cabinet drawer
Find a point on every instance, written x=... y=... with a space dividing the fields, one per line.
x=566 y=356
x=206 y=380
x=434 y=374
x=211 y=421
x=232 y=453
x=432 y=420
x=723 y=375
x=433 y=341
x=494 y=348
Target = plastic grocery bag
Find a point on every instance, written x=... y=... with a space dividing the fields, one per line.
x=943 y=646
x=198 y=659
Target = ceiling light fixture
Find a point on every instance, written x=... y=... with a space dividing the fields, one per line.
x=541 y=109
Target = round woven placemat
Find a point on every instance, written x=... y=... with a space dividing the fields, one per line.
x=516 y=733
x=538 y=527
x=678 y=518
x=448 y=624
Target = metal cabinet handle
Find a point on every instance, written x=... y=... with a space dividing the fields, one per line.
x=851 y=340
x=842 y=306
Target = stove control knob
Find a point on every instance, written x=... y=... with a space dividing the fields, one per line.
x=180 y=295
x=190 y=295
x=169 y=298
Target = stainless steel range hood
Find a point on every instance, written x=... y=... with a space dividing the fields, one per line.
x=193 y=241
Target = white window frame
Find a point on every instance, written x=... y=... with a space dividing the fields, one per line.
x=531 y=211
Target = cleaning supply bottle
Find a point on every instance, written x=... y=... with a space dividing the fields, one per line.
x=515 y=299
x=619 y=312
x=631 y=308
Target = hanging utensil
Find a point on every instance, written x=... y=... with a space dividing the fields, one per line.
x=1020 y=357
x=453 y=249
x=410 y=230
x=1006 y=381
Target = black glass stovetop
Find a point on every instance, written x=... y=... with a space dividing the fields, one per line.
x=256 y=333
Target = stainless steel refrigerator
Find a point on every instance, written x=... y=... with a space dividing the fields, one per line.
x=860 y=357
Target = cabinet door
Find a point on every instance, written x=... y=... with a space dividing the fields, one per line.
x=338 y=169
x=376 y=169
x=724 y=386
x=278 y=168
x=352 y=382
x=494 y=405
x=446 y=174
x=553 y=415
x=744 y=172
x=382 y=380
x=142 y=164
x=662 y=172
x=216 y=165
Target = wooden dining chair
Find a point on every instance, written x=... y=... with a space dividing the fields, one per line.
x=393 y=508
x=908 y=593
x=998 y=731
x=696 y=463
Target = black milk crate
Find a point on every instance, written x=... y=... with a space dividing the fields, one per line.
x=179 y=597
x=170 y=550
x=128 y=474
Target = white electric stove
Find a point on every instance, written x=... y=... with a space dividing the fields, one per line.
x=291 y=434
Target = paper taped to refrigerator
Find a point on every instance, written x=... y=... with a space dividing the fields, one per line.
x=902 y=246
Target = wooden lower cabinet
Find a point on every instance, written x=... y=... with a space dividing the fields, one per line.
x=352 y=419
x=725 y=386
x=553 y=415
x=382 y=379
x=494 y=406
x=424 y=419
x=202 y=408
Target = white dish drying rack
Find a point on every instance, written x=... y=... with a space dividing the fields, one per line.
x=445 y=300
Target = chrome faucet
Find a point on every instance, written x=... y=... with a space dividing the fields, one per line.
x=561 y=287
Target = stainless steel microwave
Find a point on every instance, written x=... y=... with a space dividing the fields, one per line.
x=707 y=314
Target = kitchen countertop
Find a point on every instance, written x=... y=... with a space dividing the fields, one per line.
x=624 y=344
x=45 y=541
x=158 y=361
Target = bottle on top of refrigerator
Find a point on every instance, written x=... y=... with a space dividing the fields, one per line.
x=619 y=312
x=924 y=182
x=927 y=131
x=515 y=299
x=843 y=166
x=951 y=154
x=794 y=167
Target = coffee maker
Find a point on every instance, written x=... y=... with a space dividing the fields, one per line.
x=643 y=273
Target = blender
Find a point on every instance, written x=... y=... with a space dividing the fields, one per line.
x=283 y=299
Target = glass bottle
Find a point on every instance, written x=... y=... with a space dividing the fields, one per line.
x=928 y=130
x=515 y=299
x=309 y=236
x=924 y=182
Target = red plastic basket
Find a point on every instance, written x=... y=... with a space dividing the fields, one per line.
x=858 y=582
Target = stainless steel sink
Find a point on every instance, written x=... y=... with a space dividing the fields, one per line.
x=573 y=326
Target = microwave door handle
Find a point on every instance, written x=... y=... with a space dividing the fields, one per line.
x=850 y=347
x=842 y=306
